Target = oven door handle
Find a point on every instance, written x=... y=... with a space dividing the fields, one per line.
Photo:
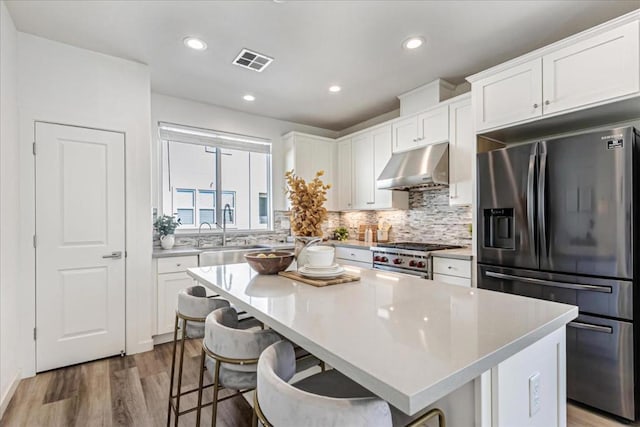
x=590 y=327
x=551 y=283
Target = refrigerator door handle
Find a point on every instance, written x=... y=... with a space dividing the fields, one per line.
x=565 y=285
x=542 y=205
x=590 y=327
x=531 y=212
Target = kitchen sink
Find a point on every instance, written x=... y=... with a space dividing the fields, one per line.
x=228 y=254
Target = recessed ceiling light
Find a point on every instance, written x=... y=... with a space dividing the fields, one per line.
x=335 y=88
x=413 y=43
x=249 y=98
x=195 y=43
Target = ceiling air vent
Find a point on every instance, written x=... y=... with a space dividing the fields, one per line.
x=252 y=60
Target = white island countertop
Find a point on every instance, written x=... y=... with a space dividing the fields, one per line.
x=411 y=341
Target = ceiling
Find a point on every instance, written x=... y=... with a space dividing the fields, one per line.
x=355 y=44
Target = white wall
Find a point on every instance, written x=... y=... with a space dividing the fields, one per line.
x=9 y=209
x=64 y=84
x=185 y=112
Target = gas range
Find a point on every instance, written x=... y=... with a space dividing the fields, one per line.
x=407 y=257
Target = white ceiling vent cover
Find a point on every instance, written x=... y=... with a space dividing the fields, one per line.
x=252 y=60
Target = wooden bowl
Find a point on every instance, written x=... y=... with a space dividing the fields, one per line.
x=271 y=263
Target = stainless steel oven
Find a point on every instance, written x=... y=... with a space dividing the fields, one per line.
x=407 y=257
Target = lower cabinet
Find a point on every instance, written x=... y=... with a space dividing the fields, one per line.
x=452 y=271
x=171 y=278
x=356 y=257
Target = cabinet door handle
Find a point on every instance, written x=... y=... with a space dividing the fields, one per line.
x=547 y=102
x=178 y=265
x=371 y=203
x=453 y=197
x=535 y=105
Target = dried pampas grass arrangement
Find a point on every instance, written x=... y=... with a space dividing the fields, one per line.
x=307 y=204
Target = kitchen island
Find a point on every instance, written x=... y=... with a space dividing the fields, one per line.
x=417 y=343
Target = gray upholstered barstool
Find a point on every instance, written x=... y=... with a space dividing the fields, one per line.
x=327 y=398
x=232 y=355
x=193 y=308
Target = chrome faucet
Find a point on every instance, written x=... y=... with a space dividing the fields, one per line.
x=199 y=242
x=227 y=208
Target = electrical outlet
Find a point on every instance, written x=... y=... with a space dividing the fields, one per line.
x=534 y=394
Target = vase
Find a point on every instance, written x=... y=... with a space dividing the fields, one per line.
x=167 y=241
x=301 y=245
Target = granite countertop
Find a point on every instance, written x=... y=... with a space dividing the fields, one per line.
x=456 y=332
x=190 y=250
x=460 y=253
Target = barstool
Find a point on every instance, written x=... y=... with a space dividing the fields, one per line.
x=326 y=398
x=192 y=311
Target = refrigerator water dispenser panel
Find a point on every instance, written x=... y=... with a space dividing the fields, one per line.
x=499 y=228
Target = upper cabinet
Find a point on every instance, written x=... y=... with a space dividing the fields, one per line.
x=509 y=96
x=603 y=67
x=462 y=151
x=343 y=175
x=308 y=154
x=421 y=129
x=593 y=68
x=405 y=133
x=370 y=151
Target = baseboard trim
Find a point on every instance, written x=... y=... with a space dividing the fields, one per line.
x=6 y=398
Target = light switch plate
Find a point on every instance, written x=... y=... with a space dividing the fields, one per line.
x=534 y=394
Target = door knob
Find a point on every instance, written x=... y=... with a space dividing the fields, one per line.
x=547 y=102
x=535 y=105
x=115 y=255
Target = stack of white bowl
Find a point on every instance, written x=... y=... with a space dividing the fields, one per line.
x=321 y=263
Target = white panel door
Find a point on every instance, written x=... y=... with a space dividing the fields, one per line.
x=433 y=126
x=462 y=152
x=405 y=133
x=363 y=181
x=382 y=146
x=80 y=229
x=594 y=70
x=509 y=96
x=343 y=175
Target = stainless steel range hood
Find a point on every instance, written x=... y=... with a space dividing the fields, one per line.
x=424 y=166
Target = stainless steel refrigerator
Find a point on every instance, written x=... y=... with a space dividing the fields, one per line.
x=558 y=220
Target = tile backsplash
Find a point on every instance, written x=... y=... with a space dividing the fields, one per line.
x=428 y=219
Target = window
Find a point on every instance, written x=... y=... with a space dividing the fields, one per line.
x=208 y=174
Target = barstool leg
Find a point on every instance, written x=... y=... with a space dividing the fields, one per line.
x=200 y=384
x=184 y=335
x=173 y=370
x=254 y=418
x=216 y=387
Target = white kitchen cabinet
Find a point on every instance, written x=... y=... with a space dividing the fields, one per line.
x=344 y=176
x=371 y=151
x=593 y=68
x=308 y=154
x=351 y=256
x=433 y=126
x=452 y=270
x=363 y=179
x=462 y=151
x=509 y=96
x=405 y=133
x=602 y=67
x=172 y=278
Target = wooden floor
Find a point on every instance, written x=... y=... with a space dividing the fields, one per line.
x=133 y=391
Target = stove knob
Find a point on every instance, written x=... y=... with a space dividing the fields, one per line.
x=397 y=261
x=384 y=259
x=377 y=258
x=421 y=264
x=412 y=263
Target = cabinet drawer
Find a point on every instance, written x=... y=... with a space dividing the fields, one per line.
x=361 y=255
x=452 y=280
x=176 y=264
x=452 y=267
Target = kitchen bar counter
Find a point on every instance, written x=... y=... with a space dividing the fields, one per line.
x=411 y=341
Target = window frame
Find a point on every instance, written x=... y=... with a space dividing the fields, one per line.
x=166 y=190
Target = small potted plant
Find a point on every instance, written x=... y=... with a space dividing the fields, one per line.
x=166 y=225
x=341 y=234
